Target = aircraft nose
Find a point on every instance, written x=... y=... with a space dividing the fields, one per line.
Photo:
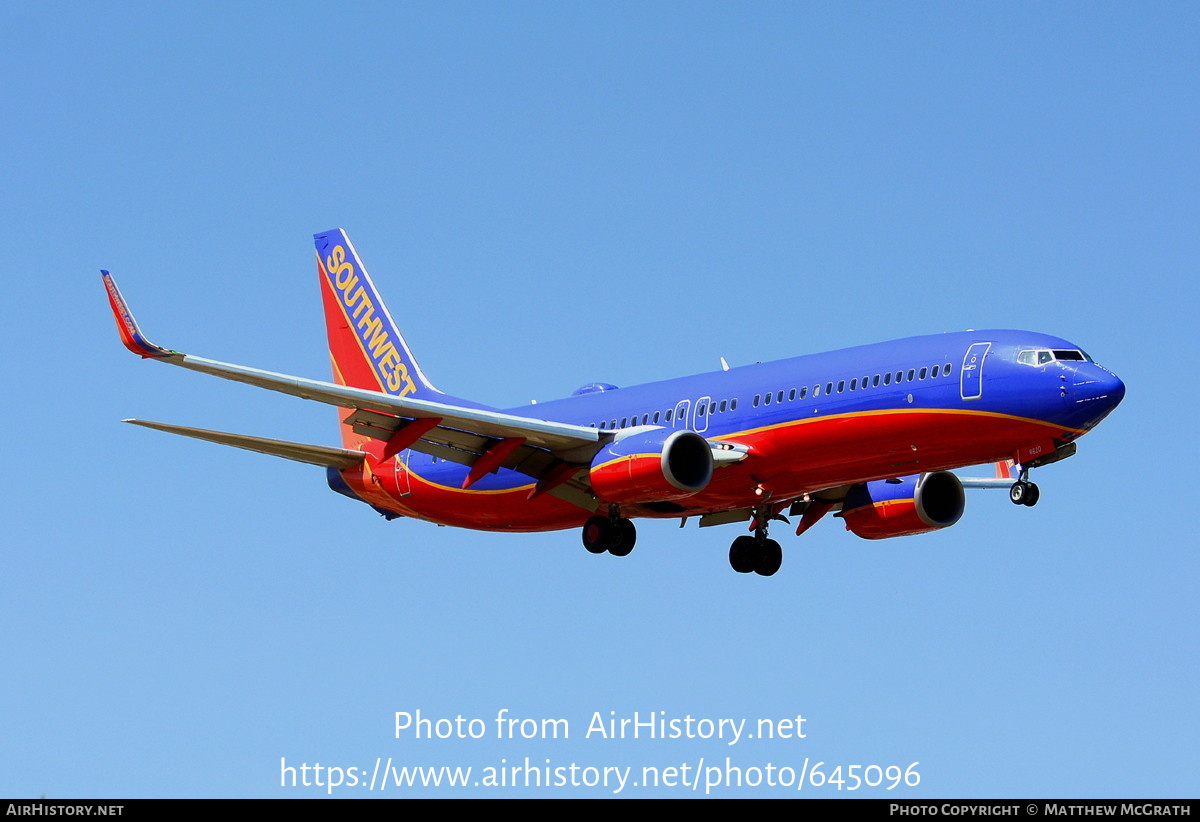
x=1098 y=388
x=1116 y=389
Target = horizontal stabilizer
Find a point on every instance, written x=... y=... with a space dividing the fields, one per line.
x=298 y=451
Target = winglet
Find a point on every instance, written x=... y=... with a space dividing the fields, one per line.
x=127 y=326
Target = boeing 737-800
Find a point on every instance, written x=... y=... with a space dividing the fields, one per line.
x=870 y=432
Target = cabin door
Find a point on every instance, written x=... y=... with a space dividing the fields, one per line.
x=700 y=418
x=971 y=376
x=680 y=418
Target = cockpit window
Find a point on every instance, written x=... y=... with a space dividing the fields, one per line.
x=1043 y=356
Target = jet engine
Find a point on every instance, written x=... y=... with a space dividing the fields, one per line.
x=911 y=505
x=652 y=465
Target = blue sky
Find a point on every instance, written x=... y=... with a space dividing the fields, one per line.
x=549 y=195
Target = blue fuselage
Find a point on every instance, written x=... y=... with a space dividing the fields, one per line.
x=980 y=375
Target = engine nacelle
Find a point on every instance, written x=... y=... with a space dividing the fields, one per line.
x=915 y=505
x=652 y=465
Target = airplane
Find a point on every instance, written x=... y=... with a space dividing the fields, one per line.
x=871 y=433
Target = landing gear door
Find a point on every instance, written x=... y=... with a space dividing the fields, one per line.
x=971 y=379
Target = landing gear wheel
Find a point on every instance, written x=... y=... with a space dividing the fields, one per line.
x=625 y=535
x=770 y=557
x=597 y=534
x=1018 y=492
x=743 y=555
x=1032 y=494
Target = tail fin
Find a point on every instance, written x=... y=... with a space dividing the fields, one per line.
x=366 y=347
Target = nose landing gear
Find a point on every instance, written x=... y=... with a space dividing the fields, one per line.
x=1024 y=492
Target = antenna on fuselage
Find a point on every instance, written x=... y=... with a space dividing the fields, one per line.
x=724 y=365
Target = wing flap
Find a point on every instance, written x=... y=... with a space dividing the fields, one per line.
x=465 y=448
x=462 y=447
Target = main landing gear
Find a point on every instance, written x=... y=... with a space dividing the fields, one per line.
x=613 y=533
x=759 y=554
x=1024 y=492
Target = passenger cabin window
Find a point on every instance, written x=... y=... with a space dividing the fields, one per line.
x=921 y=376
x=767 y=399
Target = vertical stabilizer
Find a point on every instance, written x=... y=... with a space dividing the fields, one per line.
x=366 y=347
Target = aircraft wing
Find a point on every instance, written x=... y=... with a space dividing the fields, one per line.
x=572 y=443
x=985 y=482
x=1002 y=480
x=298 y=451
